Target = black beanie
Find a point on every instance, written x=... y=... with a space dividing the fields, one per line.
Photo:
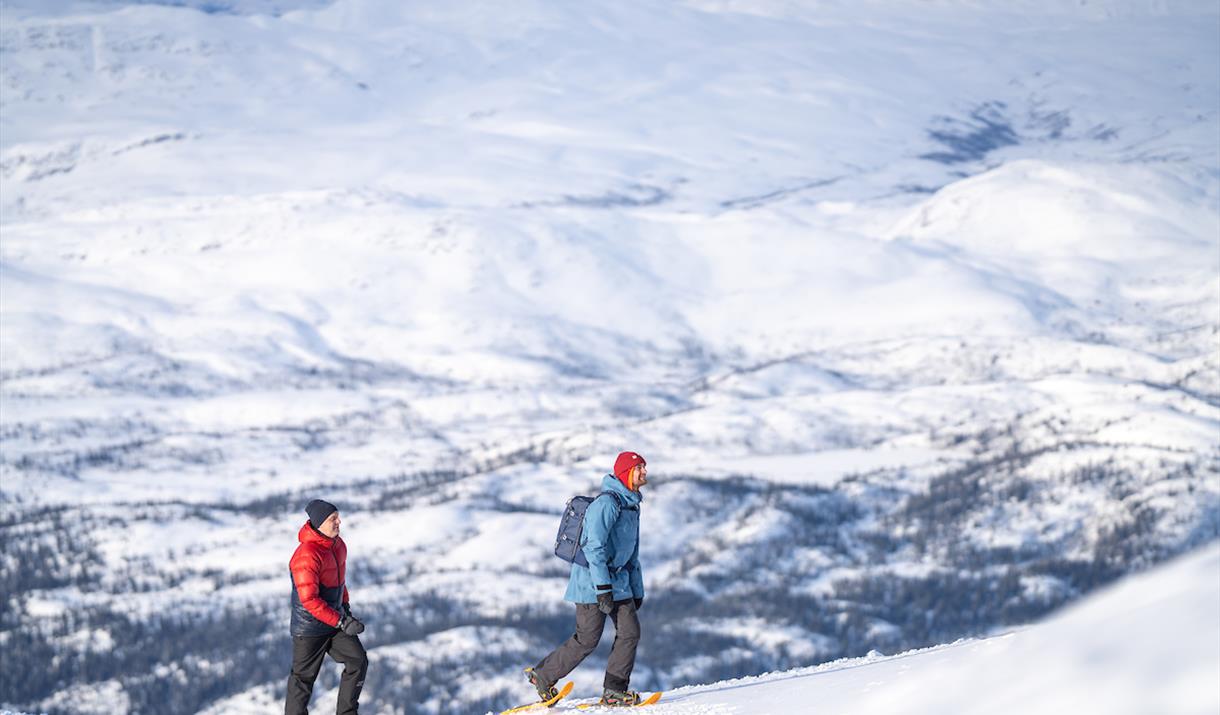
x=318 y=510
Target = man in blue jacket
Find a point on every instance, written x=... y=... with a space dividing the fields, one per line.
x=611 y=585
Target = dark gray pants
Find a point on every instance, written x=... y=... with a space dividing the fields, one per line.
x=589 y=625
x=307 y=655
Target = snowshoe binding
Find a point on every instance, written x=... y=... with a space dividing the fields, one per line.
x=619 y=698
x=546 y=693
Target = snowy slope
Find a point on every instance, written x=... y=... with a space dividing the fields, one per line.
x=1151 y=644
x=916 y=304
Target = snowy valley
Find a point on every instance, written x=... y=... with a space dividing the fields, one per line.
x=914 y=309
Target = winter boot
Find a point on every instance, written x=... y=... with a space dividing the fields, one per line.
x=545 y=692
x=619 y=698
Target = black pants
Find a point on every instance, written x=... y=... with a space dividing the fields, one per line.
x=589 y=625
x=307 y=656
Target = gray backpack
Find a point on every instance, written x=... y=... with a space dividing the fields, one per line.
x=572 y=525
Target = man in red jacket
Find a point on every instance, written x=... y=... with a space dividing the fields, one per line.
x=322 y=621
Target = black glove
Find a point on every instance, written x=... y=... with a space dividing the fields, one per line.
x=639 y=603
x=605 y=600
x=351 y=626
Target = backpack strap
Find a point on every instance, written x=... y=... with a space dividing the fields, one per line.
x=622 y=502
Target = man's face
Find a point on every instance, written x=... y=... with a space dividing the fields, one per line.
x=330 y=527
x=639 y=477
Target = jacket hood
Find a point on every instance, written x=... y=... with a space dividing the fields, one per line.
x=309 y=534
x=611 y=483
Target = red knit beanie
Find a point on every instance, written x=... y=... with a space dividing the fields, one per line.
x=623 y=465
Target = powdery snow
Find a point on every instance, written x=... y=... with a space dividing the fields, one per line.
x=1150 y=644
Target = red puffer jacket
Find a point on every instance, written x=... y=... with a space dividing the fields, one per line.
x=318 y=567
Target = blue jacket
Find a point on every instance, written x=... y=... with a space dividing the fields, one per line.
x=611 y=542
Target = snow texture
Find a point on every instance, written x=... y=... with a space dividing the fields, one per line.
x=913 y=309
x=1150 y=644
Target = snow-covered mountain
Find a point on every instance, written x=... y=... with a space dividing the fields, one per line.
x=912 y=307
